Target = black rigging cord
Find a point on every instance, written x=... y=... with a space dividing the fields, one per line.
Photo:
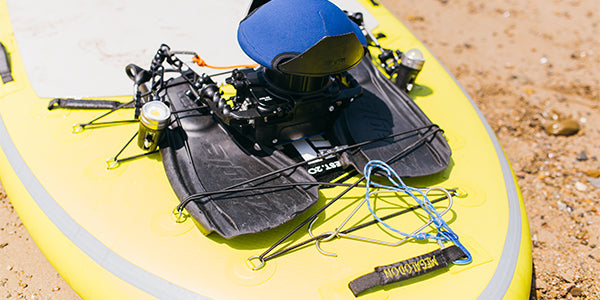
x=334 y=150
x=159 y=86
x=411 y=147
x=199 y=196
x=79 y=127
x=352 y=229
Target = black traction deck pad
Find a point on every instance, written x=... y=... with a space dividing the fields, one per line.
x=381 y=111
x=199 y=156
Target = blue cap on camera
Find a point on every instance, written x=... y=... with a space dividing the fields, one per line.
x=302 y=37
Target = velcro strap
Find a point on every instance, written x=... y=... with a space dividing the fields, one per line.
x=83 y=104
x=406 y=269
x=5 y=71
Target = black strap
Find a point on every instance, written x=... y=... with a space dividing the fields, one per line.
x=406 y=269
x=5 y=71
x=83 y=104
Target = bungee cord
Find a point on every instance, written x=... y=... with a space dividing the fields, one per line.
x=157 y=92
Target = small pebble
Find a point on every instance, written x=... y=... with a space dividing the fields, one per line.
x=581 y=235
x=594 y=181
x=582 y=156
x=580 y=186
x=561 y=205
x=564 y=128
x=592 y=173
x=575 y=291
x=56 y=289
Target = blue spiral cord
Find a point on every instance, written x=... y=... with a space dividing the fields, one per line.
x=445 y=233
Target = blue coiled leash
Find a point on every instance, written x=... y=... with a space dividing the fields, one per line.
x=418 y=265
x=445 y=233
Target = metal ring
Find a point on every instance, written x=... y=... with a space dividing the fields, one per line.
x=460 y=193
x=77 y=128
x=180 y=216
x=256 y=268
x=112 y=163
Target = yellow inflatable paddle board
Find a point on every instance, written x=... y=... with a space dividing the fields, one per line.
x=291 y=179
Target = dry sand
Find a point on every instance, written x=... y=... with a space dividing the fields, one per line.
x=527 y=65
x=530 y=65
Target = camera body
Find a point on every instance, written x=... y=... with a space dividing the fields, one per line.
x=272 y=108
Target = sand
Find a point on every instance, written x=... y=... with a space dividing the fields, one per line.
x=528 y=65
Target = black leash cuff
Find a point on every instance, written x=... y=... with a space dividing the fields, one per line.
x=406 y=269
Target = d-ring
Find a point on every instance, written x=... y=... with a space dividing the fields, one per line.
x=460 y=193
x=112 y=163
x=77 y=127
x=251 y=264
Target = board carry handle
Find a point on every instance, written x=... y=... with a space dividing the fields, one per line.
x=5 y=69
x=70 y=103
